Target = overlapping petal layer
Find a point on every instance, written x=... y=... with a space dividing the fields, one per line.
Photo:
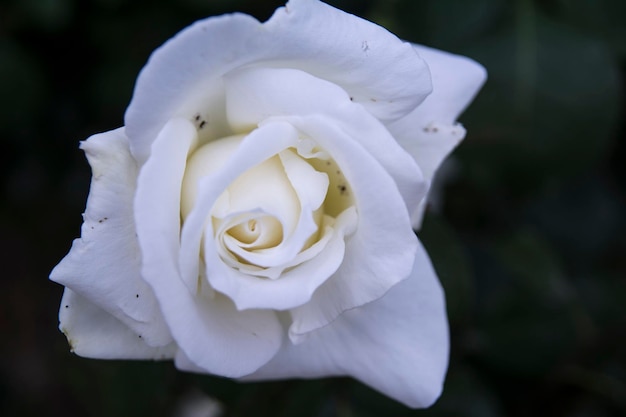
x=209 y=330
x=430 y=132
x=397 y=344
x=183 y=77
x=104 y=264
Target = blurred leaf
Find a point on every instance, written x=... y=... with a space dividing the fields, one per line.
x=22 y=87
x=452 y=266
x=115 y=388
x=602 y=17
x=603 y=296
x=466 y=395
x=549 y=107
x=446 y=24
x=583 y=217
x=370 y=403
x=523 y=298
x=48 y=14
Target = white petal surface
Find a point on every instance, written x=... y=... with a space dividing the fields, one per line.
x=104 y=263
x=430 y=132
x=182 y=78
x=93 y=333
x=210 y=331
x=397 y=344
x=456 y=81
x=256 y=93
x=380 y=253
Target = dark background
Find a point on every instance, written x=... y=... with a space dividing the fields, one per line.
x=530 y=243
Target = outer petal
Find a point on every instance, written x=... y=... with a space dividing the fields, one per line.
x=182 y=78
x=103 y=266
x=397 y=344
x=430 y=132
x=381 y=251
x=456 y=80
x=211 y=332
x=94 y=333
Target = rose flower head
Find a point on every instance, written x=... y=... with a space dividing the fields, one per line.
x=254 y=217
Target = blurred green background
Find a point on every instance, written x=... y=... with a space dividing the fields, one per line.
x=529 y=242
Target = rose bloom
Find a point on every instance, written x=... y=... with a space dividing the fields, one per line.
x=254 y=217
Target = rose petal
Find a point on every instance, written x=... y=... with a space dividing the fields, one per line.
x=380 y=253
x=429 y=132
x=397 y=344
x=295 y=286
x=104 y=264
x=310 y=185
x=94 y=333
x=252 y=94
x=456 y=81
x=210 y=331
x=359 y=63
x=265 y=188
x=204 y=161
x=221 y=340
x=182 y=78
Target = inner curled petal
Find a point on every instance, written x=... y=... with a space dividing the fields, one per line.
x=205 y=161
x=245 y=233
x=268 y=215
x=257 y=233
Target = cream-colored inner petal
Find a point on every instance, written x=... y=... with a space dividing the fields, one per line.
x=257 y=233
x=275 y=215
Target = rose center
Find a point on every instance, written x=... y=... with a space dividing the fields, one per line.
x=272 y=214
x=258 y=233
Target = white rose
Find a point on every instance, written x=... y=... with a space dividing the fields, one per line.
x=253 y=217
